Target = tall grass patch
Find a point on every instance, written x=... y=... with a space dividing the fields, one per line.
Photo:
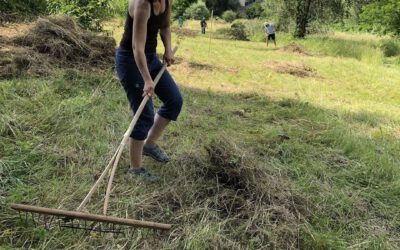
x=368 y=52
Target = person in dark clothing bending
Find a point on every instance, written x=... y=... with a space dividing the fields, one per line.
x=203 y=25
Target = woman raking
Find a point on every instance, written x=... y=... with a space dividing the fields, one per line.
x=137 y=64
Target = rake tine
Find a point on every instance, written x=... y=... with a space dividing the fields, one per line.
x=117 y=230
x=51 y=220
x=88 y=229
x=33 y=218
x=93 y=226
x=26 y=218
x=45 y=222
x=19 y=214
x=129 y=232
x=105 y=229
x=48 y=226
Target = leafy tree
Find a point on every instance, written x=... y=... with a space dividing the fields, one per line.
x=321 y=11
x=197 y=11
x=303 y=14
x=179 y=6
x=281 y=12
x=89 y=13
x=382 y=16
x=119 y=7
x=219 y=6
x=23 y=7
x=302 y=17
x=255 y=10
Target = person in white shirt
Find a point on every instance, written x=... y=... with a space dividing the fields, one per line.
x=270 y=32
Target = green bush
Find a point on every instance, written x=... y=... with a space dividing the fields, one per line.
x=390 y=47
x=382 y=16
x=89 y=13
x=119 y=7
x=244 y=29
x=229 y=16
x=254 y=30
x=179 y=7
x=197 y=11
x=238 y=31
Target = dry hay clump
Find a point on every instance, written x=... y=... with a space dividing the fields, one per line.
x=14 y=64
x=295 y=48
x=184 y=32
x=226 y=187
x=57 y=42
x=61 y=38
x=292 y=68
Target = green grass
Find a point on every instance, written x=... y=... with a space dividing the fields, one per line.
x=342 y=156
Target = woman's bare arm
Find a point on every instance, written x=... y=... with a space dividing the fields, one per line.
x=141 y=13
x=165 y=33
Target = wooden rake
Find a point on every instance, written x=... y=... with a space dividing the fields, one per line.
x=68 y=218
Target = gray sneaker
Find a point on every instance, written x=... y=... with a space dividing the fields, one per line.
x=142 y=172
x=155 y=152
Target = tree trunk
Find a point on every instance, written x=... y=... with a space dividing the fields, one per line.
x=302 y=17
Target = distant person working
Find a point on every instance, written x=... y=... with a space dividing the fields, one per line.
x=180 y=21
x=270 y=32
x=203 y=25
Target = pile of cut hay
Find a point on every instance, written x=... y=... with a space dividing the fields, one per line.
x=292 y=68
x=184 y=32
x=54 y=42
x=228 y=188
x=295 y=48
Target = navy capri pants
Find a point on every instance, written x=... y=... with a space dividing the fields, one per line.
x=133 y=83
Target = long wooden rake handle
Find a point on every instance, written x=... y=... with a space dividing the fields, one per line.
x=94 y=187
x=117 y=155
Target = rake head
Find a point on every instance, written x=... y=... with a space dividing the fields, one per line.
x=50 y=217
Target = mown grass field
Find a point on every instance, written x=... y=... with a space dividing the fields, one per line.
x=324 y=126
